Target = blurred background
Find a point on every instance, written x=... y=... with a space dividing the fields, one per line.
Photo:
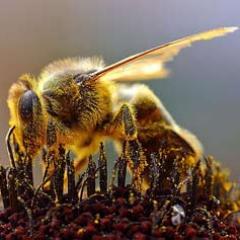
x=202 y=93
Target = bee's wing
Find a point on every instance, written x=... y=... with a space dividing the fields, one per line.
x=150 y=64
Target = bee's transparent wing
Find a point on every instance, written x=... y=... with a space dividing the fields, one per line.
x=150 y=64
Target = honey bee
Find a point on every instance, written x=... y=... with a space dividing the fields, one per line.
x=78 y=102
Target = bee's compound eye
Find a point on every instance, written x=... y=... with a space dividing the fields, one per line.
x=27 y=103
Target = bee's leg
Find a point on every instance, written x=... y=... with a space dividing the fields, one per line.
x=56 y=152
x=123 y=124
x=52 y=154
x=123 y=128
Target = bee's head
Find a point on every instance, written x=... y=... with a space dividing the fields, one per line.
x=26 y=114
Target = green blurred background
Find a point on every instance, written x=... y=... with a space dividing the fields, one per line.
x=202 y=93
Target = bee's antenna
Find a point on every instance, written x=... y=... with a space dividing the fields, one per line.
x=9 y=147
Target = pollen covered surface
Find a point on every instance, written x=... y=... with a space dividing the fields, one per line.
x=98 y=205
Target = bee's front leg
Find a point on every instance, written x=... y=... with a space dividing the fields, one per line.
x=52 y=147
